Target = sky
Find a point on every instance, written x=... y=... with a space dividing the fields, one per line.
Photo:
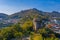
x=12 y=6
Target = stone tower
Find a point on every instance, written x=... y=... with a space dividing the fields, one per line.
x=37 y=24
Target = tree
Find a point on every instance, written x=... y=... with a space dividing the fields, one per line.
x=37 y=37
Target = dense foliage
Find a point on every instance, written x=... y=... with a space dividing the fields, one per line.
x=20 y=31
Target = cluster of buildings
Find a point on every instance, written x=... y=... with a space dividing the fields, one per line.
x=54 y=25
x=8 y=22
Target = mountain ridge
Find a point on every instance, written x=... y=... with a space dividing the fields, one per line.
x=14 y=18
x=29 y=11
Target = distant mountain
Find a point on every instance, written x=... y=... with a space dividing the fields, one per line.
x=26 y=13
x=3 y=16
x=34 y=11
x=55 y=14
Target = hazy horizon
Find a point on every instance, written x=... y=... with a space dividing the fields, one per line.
x=11 y=6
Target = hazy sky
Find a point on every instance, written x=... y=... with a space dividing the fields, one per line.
x=12 y=6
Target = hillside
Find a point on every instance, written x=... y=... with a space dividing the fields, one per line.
x=31 y=24
x=28 y=12
x=3 y=16
x=34 y=11
x=25 y=14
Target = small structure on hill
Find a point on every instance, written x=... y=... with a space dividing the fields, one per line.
x=37 y=24
x=54 y=25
